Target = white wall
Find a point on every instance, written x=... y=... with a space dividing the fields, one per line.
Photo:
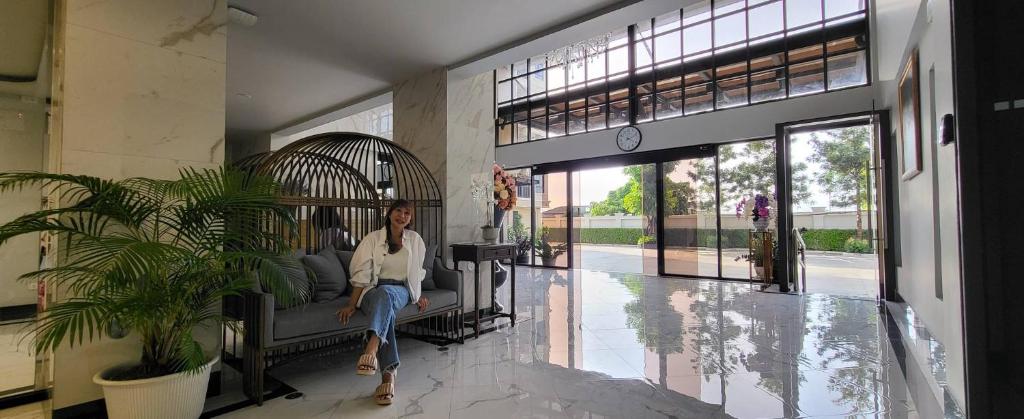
x=929 y=199
x=22 y=139
x=757 y=121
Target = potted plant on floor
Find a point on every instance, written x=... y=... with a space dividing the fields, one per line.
x=154 y=258
x=546 y=251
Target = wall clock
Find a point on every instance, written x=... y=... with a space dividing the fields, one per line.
x=628 y=138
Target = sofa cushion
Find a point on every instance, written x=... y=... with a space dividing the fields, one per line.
x=330 y=275
x=428 y=265
x=278 y=302
x=313 y=318
x=345 y=257
x=321 y=317
x=438 y=299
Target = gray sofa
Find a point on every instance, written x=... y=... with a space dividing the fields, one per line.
x=274 y=335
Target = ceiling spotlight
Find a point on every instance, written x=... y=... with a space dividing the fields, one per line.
x=244 y=95
x=241 y=17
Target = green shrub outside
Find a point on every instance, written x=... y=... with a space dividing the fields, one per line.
x=853 y=245
x=832 y=240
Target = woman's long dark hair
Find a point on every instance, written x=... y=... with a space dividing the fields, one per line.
x=399 y=203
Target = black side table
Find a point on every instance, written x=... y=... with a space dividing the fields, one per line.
x=482 y=252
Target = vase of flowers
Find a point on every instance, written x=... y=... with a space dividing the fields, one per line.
x=761 y=210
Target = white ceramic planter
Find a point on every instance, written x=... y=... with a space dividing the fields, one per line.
x=175 y=396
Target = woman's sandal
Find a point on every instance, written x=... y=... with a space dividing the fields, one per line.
x=385 y=392
x=367 y=365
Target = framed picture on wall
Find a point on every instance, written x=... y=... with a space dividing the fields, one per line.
x=910 y=119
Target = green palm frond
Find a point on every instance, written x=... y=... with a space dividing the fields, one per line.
x=155 y=256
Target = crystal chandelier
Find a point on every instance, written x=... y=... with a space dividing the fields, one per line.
x=579 y=51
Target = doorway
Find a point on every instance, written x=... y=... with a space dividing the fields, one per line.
x=832 y=202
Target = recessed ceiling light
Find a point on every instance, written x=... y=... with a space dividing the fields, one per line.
x=241 y=17
x=244 y=95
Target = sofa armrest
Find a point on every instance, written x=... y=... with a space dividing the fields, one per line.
x=259 y=318
x=448 y=279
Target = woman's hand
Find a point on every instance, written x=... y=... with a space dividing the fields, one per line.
x=423 y=303
x=346 y=313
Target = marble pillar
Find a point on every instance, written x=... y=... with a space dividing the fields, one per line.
x=138 y=91
x=449 y=124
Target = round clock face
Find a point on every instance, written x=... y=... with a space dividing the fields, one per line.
x=628 y=138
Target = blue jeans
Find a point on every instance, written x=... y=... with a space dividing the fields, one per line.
x=381 y=304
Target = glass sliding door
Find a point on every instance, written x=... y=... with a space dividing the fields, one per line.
x=745 y=169
x=689 y=217
x=551 y=222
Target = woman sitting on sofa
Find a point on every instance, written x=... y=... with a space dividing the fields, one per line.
x=387 y=270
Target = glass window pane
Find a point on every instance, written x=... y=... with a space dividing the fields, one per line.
x=556 y=125
x=519 y=87
x=666 y=47
x=538 y=83
x=698 y=99
x=697 y=38
x=521 y=112
x=556 y=77
x=697 y=77
x=805 y=53
x=620 y=94
x=730 y=29
x=537 y=63
x=643 y=29
x=537 y=109
x=504 y=91
x=835 y=8
x=618 y=60
x=725 y=6
x=669 y=104
x=806 y=78
x=618 y=38
x=725 y=71
x=802 y=12
x=697 y=12
x=669 y=83
x=618 y=114
x=577 y=121
x=522 y=132
x=666 y=22
x=646 y=111
x=731 y=92
x=595 y=117
x=505 y=134
x=766 y=19
x=597 y=99
x=505 y=114
x=644 y=51
x=595 y=66
x=504 y=72
x=538 y=129
x=768 y=61
x=842 y=45
x=518 y=69
x=847 y=70
x=577 y=73
x=768 y=85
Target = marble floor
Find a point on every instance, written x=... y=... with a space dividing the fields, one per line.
x=593 y=344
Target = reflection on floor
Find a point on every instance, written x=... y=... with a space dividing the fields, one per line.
x=594 y=344
x=37 y=410
x=17 y=363
x=835 y=273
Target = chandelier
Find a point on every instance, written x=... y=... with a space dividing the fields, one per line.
x=577 y=52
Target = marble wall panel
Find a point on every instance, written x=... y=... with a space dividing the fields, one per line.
x=470 y=150
x=420 y=120
x=194 y=27
x=139 y=91
x=136 y=99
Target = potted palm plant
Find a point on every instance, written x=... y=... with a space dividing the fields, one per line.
x=546 y=251
x=154 y=258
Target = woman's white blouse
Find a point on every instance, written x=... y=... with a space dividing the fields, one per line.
x=395 y=265
x=368 y=260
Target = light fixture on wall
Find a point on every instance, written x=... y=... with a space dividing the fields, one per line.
x=577 y=52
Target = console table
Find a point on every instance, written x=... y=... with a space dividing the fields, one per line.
x=483 y=252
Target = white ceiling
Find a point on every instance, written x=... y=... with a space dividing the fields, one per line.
x=298 y=62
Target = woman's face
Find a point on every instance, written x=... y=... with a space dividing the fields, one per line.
x=401 y=216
